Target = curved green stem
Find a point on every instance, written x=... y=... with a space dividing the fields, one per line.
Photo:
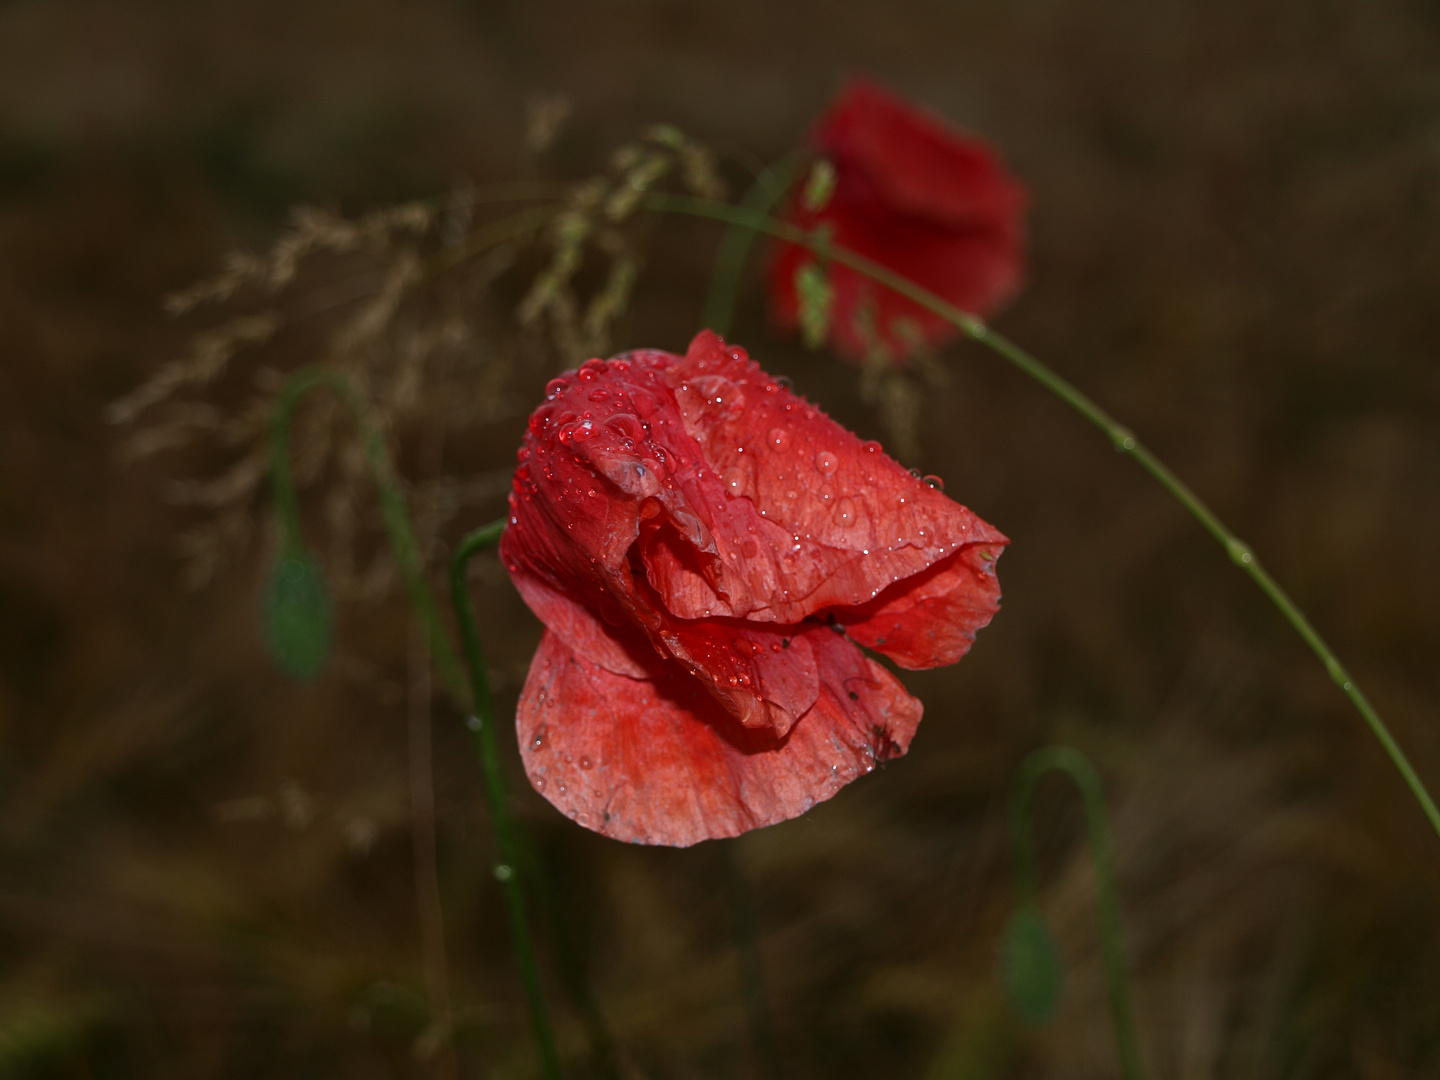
x=407 y=557
x=769 y=188
x=1121 y=437
x=482 y=728
x=387 y=491
x=1074 y=765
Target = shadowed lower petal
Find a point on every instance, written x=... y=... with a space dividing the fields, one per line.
x=659 y=761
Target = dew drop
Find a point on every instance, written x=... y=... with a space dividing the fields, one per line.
x=539 y=783
x=871 y=446
x=935 y=482
x=826 y=463
x=599 y=394
x=554 y=388
x=778 y=439
x=845 y=513
x=586 y=763
x=538 y=742
x=734 y=481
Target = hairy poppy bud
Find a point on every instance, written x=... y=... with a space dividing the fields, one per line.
x=692 y=535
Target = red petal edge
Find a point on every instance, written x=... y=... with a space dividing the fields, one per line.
x=930 y=620
x=659 y=761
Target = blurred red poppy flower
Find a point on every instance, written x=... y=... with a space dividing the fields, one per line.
x=916 y=196
x=708 y=552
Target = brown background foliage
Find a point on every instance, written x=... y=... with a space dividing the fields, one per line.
x=207 y=871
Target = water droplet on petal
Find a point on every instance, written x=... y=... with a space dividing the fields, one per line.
x=778 y=439
x=845 y=513
x=826 y=463
x=554 y=388
x=586 y=763
x=734 y=481
x=935 y=482
x=871 y=446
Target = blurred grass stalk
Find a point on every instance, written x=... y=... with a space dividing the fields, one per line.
x=481 y=708
x=1033 y=974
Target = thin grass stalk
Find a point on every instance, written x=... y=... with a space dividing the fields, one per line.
x=403 y=544
x=769 y=188
x=482 y=729
x=407 y=557
x=1107 y=897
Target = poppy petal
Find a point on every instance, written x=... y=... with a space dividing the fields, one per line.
x=806 y=516
x=916 y=196
x=920 y=164
x=612 y=647
x=657 y=761
x=931 y=619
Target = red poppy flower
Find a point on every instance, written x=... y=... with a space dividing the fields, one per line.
x=708 y=552
x=916 y=196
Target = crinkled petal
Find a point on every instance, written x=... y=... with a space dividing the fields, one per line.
x=658 y=761
x=614 y=648
x=696 y=505
x=803 y=515
x=931 y=619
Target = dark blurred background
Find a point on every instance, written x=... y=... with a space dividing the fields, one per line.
x=206 y=871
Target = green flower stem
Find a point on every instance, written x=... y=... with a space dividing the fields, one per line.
x=482 y=727
x=387 y=491
x=1074 y=765
x=1121 y=437
x=407 y=556
x=769 y=188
